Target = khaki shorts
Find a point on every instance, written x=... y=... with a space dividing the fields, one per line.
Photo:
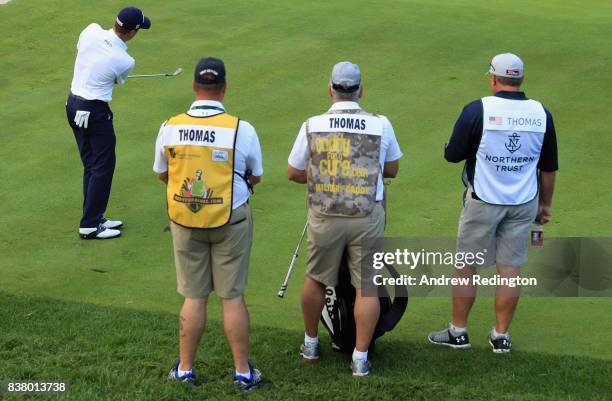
x=502 y=230
x=328 y=236
x=214 y=259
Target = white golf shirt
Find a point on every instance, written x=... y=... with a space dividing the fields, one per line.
x=247 y=154
x=389 y=148
x=102 y=60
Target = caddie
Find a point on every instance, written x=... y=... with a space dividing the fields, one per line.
x=210 y=160
x=509 y=146
x=343 y=155
x=101 y=62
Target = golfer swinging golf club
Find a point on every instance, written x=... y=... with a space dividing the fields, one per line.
x=101 y=62
x=203 y=156
x=343 y=156
x=505 y=139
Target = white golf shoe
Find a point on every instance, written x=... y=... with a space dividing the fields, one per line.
x=112 y=224
x=99 y=233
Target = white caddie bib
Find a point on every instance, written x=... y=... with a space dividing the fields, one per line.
x=509 y=151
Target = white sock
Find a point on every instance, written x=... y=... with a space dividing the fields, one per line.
x=359 y=355
x=495 y=334
x=310 y=340
x=245 y=375
x=457 y=330
x=182 y=373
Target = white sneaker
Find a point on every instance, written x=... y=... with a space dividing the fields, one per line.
x=361 y=367
x=98 y=233
x=113 y=224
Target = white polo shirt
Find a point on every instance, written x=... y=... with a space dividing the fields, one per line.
x=102 y=60
x=247 y=154
x=389 y=148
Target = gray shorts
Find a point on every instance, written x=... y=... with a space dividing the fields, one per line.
x=502 y=230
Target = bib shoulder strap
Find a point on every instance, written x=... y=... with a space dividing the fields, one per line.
x=219 y=120
x=178 y=119
x=223 y=120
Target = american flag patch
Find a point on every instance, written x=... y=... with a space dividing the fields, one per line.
x=495 y=120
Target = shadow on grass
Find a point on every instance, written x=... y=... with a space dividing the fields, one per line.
x=109 y=353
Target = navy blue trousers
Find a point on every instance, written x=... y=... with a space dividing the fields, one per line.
x=96 y=145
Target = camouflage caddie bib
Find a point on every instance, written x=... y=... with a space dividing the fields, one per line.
x=343 y=162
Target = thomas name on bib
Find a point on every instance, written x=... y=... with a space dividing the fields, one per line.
x=347 y=122
x=202 y=135
x=197 y=135
x=525 y=122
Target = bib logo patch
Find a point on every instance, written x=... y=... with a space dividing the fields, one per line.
x=513 y=142
x=195 y=195
x=220 y=156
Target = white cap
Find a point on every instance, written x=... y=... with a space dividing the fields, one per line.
x=346 y=77
x=507 y=65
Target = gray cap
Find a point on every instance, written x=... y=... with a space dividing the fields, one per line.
x=507 y=65
x=346 y=77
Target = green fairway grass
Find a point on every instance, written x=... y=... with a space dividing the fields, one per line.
x=102 y=315
x=118 y=353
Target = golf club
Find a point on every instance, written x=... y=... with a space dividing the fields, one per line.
x=174 y=74
x=281 y=292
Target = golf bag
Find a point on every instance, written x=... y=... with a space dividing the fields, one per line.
x=338 y=318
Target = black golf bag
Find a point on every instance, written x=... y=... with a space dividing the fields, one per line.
x=337 y=315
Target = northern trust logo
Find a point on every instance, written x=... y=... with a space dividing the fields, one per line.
x=513 y=142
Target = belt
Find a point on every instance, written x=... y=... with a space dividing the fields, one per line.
x=87 y=100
